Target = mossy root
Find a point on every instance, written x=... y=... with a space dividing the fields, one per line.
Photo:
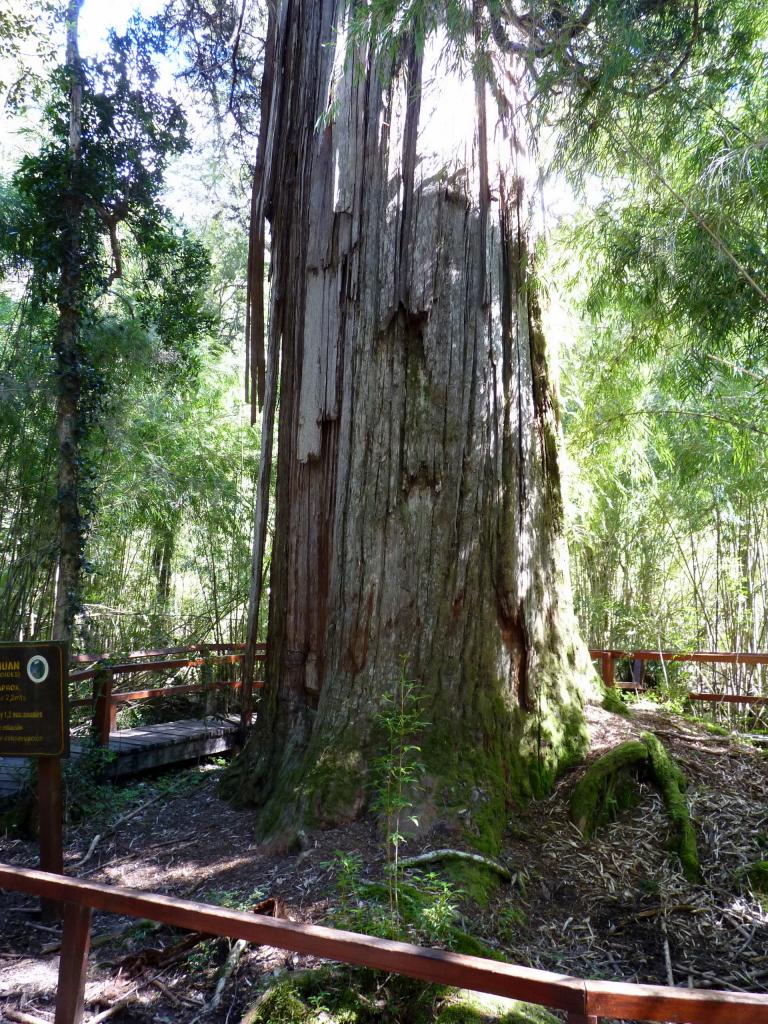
x=610 y=785
x=668 y=778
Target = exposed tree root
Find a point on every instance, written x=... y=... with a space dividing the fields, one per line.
x=610 y=785
x=432 y=856
x=233 y=959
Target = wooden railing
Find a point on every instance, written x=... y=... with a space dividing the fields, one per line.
x=583 y=1002
x=157 y=652
x=608 y=659
x=105 y=699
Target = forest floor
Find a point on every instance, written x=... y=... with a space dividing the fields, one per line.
x=615 y=907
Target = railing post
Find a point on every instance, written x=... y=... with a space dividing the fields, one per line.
x=638 y=668
x=50 y=813
x=104 y=709
x=247 y=666
x=607 y=667
x=73 y=964
x=206 y=676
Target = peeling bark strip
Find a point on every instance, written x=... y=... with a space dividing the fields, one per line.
x=416 y=507
x=255 y=371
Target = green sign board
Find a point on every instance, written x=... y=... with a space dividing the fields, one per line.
x=34 y=716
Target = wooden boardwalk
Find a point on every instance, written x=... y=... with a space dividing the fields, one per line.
x=142 y=749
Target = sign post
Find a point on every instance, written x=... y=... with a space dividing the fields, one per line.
x=34 y=722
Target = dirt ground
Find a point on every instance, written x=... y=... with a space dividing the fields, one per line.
x=616 y=907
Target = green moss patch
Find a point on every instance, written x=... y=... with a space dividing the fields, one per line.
x=281 y=1004
x=614 y=702
x=610 y=786
x=476 y=882
x=473 y=1008
x=757 y=874
x=325 y=996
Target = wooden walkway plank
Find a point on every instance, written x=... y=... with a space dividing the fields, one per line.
x=141 y=749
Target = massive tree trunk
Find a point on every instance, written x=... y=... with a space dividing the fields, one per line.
x=418 y=510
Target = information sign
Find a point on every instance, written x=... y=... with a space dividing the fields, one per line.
x=34 y=719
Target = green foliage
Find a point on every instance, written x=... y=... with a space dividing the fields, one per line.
x=90 y=797
x=397 y=771
x=166 y=465
x=223 y=53
x=389 y=26
x=26 y=43
x=757 y=874
x=87 y=795
x=136 y=295
x=129 y=132
x=664 y=387
x=427 y=906
x=183 y=466
x=666 y=520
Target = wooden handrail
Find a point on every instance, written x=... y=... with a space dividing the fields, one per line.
x=173 y=691
x=121 y=697
x=160 y=666
x=722 y=657
x=608 y=657
x=158 y=652
x=728 y=698
x=582 y=1000
x=105 y=702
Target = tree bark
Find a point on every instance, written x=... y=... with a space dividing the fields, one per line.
x=418 y=508
x=68 y=360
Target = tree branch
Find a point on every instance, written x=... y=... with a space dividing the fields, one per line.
x=110 y=219
x=536 y=45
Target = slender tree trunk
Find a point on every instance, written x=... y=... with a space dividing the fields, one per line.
x=163 y=546
x=418 y=509
x=68 y=356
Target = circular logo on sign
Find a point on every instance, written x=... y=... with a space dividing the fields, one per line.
x=37 y=668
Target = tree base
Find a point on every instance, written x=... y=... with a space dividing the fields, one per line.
x=477 y=768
